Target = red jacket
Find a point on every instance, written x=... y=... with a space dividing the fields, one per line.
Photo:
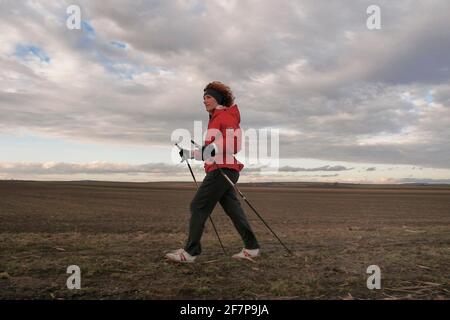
x=225 y=133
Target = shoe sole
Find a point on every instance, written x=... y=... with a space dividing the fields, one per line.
x=177 y=261
x=245 y=258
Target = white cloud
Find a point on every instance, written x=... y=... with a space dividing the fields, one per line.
x=336 y=90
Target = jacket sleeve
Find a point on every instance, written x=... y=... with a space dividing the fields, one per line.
x=225 y=134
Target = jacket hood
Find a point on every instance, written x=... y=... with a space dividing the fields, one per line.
x=233 y=111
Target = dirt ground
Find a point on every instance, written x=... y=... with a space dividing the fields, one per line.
x=118 y=233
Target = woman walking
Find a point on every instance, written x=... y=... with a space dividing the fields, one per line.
x=223 y=140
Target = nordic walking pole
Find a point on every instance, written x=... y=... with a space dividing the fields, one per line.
x=249 y=204
x=254 y=210
x=196 y=184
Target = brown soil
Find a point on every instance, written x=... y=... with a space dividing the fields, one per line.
x=118 y=233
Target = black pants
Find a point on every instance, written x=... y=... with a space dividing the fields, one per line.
x=213 y=189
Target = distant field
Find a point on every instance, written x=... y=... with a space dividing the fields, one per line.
x=118 y=233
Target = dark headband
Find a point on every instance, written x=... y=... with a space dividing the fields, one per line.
x=215 y=94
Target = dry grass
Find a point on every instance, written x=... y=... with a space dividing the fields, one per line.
x=118 y=233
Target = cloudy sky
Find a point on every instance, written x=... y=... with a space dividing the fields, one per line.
x=100 y=103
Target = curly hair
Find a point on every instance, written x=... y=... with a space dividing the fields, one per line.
x=224 y=90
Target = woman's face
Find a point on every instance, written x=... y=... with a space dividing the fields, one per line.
x=210 y=103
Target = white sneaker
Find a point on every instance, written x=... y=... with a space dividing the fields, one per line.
x=180 y=256
x=246 y=254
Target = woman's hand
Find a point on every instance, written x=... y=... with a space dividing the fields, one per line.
x=197 y=154
x=186 y=154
